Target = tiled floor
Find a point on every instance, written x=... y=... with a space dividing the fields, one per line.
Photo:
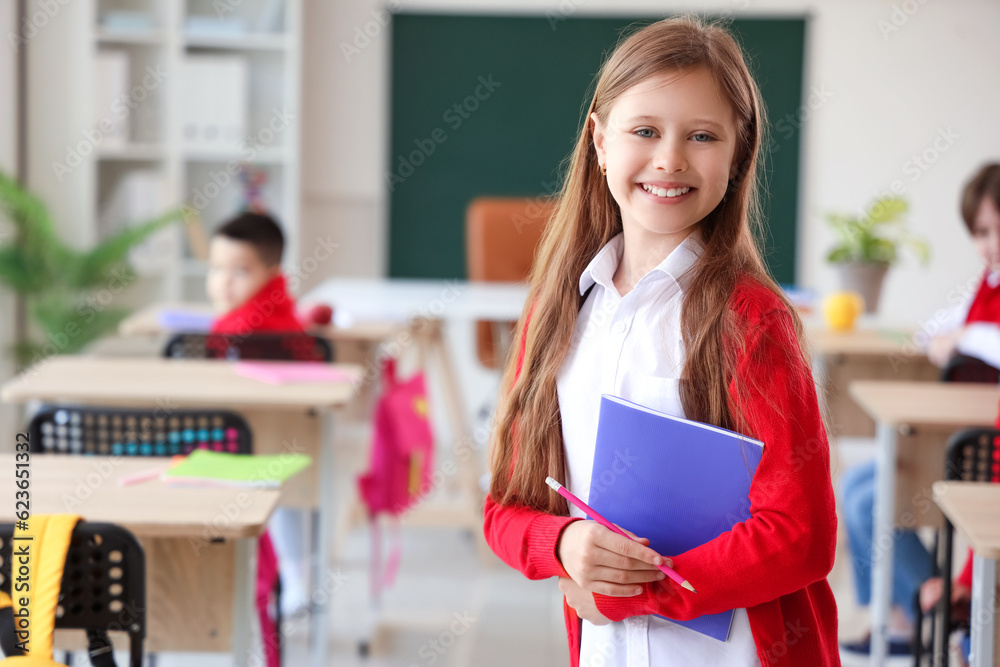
x=447 y=608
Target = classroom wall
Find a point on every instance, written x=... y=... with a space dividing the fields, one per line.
x=885 y=80
x=8 y=163
x=883 y=93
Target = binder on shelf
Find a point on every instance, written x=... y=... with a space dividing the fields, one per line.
x=111 y=84
x=678 y=482
x=213 y=103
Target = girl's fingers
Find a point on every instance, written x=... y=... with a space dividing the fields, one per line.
x=635 y=537
x=610 y=575
x=625 y=547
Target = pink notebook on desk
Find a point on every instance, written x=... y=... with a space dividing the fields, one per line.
x=289 y=372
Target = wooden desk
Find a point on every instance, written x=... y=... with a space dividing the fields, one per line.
x=974 y=509
x=926 y=409
x=292 y=417
x=200 y=594
x=141 y=335
x=862 y=354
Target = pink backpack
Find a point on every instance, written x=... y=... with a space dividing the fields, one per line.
x=400 y=462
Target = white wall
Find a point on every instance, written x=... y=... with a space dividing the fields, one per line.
x=8 y=163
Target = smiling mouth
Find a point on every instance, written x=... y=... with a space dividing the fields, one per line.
x=666 y=193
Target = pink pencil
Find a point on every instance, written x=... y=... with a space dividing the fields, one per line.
x=564 y=492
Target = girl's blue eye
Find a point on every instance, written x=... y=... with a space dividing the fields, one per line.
x=644 y=136
x=708 y=137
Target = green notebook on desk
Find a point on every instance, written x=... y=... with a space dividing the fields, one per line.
x=216 y=469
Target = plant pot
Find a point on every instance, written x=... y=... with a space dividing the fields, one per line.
x=866 y=279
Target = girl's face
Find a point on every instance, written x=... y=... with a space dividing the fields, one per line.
x=668 y=145
x=986 y=233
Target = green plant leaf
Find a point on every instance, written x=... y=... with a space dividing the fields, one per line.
x=97 y=266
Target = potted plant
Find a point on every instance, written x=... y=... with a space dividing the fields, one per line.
x=868 y=245
x=65 y=292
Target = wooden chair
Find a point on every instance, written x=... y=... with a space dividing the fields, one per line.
x=103 y=586
x=501 y=236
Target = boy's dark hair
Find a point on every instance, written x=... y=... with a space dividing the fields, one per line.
x=986 y=183
x=259 y=230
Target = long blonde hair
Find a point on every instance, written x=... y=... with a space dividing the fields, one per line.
x=586 y=218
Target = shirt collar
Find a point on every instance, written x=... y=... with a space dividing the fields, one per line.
x=993 y=278
x=602 y=267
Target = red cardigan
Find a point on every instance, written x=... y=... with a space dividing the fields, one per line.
x=271 y=309
x=774 y=564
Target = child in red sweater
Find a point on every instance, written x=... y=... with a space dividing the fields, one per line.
x=648 y=285
x=245 y=283
x=247 y=289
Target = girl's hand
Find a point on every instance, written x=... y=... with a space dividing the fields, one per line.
x=582 y=602
x=601 y=561
x=942 y=347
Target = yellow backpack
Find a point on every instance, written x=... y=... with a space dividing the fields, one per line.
x=28 y=612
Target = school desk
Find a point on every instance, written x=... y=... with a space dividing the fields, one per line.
x=141 y=335
x=296 y=417
x=974 y=509
x=875 y=353
x=914 y=420
x=199 y=594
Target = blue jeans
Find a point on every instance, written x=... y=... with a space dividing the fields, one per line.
x=911 y=562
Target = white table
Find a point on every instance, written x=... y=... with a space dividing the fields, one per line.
x=403 y=299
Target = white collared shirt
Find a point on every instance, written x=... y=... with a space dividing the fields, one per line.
x=631 y=347
x=980 y=340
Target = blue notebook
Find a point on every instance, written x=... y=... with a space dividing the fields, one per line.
x=678 y=482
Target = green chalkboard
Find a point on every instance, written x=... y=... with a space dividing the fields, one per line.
x=491 y=105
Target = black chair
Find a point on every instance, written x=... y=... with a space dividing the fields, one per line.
x=85 y=429
x=103 y=586
x=257 y=346
x=963 y=368
x=973 y=456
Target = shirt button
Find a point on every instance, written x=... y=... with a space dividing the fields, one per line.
x=619 y=328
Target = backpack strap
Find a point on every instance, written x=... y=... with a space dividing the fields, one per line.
x=42 y=543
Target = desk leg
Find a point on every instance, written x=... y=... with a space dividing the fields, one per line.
x=243 y=600
x=320 y=598
x=984 y=585
x=883 y=542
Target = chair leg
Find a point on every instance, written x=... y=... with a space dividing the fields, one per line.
x=918 y=631
x=280 y=638
x=943 y=628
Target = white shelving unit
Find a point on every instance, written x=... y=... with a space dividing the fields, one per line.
x=76 y=169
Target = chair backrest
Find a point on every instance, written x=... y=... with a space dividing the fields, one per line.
x=961 y=368
x=290 y=346
x=501 y=236
x=103 y=585
x=974 y=456
x=85 y=429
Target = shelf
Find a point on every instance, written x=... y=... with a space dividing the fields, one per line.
x=139 y=152
x=143 y=37
x=267 y=155
x=245 y=42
